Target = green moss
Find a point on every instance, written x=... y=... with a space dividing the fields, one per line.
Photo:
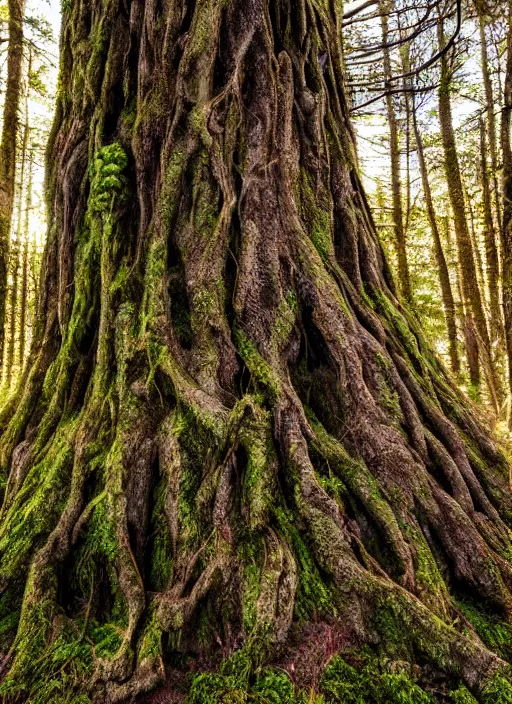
x=38 y=504
x=161 y=555
x=462 y=695
x=170 y=190
x=150 y=644
x=496 y=634
x=47 y=669
x=236 y=684
x=321 y=234
x=204 y=303
x=314 y=596
x=316 y=213
x=344 y=684
x=275 y=687
x=98 y=544
x=367 y=299
x=216 y=689
x=107 y=639
x=107 y=179
x=431 y=586
x=259 y=368
x=259 y=483
x=199 y=438
x=153 y=304
x=286 y=315
x=497 y=691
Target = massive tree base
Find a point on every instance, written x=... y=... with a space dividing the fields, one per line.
x=232 y=447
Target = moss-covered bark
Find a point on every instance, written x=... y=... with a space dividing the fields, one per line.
x=232 y=447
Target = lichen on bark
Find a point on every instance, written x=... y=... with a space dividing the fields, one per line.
x=231 y=439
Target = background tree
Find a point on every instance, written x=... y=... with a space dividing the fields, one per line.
x=8 y=144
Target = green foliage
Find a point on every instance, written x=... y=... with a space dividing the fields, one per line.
x=275 y=687
x=344 y=684
x=107 y=180
x=58 y=675
x=462 y=695
x=270 y=686
x=367 y=681
x=497 y=691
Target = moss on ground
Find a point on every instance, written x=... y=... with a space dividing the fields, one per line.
x=357 y=678
x=495 y=633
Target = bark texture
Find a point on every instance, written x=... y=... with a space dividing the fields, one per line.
x=230 y=434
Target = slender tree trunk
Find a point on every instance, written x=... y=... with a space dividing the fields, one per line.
x=491 y=251
x=16 y=260
x=25 y=266
x=467 y=326
x=12 y=310
x=442 y=266
x=475 y=245
x=470 y=288
x=491 y=118
x=506 y=231
x=396 y=181
x=230 y=437
x=8 y=147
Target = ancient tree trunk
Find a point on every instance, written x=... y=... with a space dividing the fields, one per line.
x=506 y=228
x=232 y=446
x=394 y=152
x=471 y=290
x=8 y=148
x=442 y=266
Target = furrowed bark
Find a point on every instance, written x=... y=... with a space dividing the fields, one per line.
x=229 y=432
